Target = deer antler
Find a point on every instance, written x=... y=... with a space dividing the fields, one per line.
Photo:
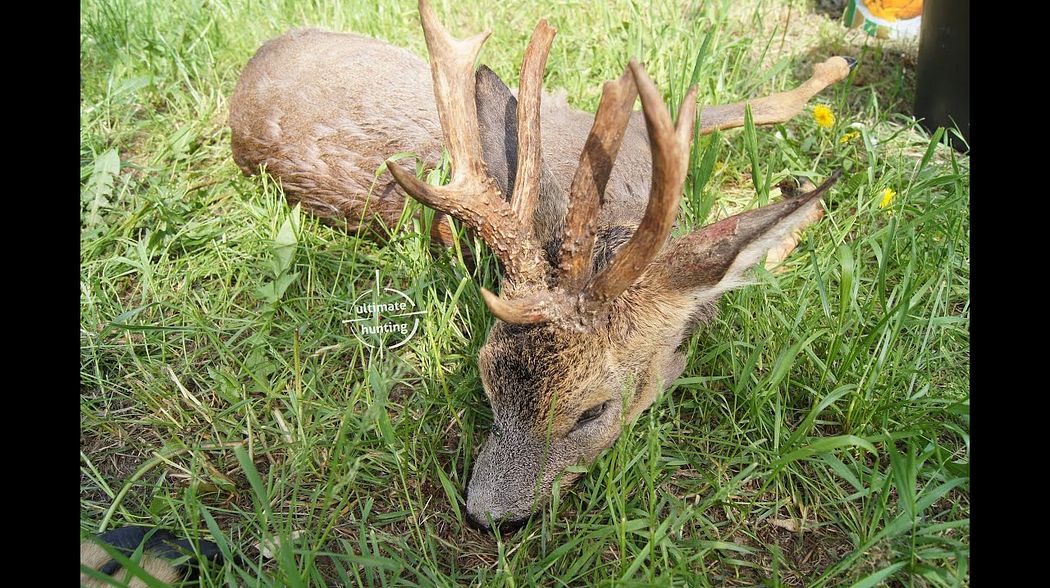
x=474 y=198
x=592 y=175
x=527 y=183
x=670 y=145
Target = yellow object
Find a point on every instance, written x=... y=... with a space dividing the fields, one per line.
x=887 y=197
x=823 y=115
x=885 y=19
x=893 y=10
x=848 y=137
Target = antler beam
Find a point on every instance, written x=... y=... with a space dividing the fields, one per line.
x=473 y=196
x=527 y=183
x=588 y=184
x=670 y=145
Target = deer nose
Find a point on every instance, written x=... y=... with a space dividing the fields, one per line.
x=507 y=526
x=478 y=517
x=476 y=523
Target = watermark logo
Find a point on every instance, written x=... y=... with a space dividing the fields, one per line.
x=384 y=317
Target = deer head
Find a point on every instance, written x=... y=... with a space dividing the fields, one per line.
x=589 y=325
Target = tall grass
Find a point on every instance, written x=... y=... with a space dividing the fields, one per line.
x=819 y=436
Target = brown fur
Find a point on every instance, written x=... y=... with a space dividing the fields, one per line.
x=299 y=111
x=306 y=107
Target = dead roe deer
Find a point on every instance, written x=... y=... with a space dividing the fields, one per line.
x=596 y=298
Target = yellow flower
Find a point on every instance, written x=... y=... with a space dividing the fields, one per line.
x=887 y=197
x=823 y=115
x=849 y=137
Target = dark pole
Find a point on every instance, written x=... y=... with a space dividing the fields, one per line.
x=942 y=95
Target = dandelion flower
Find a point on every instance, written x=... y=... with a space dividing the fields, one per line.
x=887 y=198
x=848 y=137
x=823 y=115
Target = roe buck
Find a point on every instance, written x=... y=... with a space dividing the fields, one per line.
x=596 y=298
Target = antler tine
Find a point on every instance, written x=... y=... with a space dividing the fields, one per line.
x=588 y=184
x=670 y=147
x=527 y=182
x=452 y=68
x=522 y=311
x=472 y=196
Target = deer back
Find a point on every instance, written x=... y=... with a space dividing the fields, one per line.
x=324 y=110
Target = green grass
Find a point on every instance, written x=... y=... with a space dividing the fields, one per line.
x=819 y=436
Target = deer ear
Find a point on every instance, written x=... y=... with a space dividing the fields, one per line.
x=714 y=259
x=498 y=124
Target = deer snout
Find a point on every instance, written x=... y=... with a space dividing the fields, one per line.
x=506 y=485
x=483 y=506
x=505 y=526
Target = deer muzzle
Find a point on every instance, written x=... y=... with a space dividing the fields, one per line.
x=512 y=478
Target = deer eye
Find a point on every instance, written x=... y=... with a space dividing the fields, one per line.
x=590 y=414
